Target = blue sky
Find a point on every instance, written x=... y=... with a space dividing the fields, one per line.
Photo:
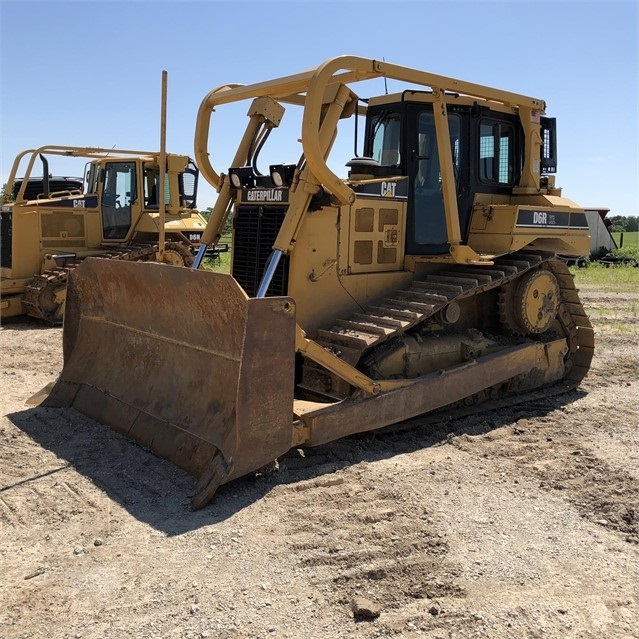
x=89 y=73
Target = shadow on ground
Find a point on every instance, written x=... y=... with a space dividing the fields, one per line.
x=158 y=493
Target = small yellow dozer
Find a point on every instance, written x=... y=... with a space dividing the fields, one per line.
x=50 y=224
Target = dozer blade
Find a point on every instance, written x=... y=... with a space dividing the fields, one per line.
x=182 y=362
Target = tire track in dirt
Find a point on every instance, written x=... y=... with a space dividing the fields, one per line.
x=374 y=540
x=565 y=447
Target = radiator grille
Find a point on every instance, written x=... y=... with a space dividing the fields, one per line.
x=256 y=228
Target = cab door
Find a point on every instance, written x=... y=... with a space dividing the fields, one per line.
x=426 y=232
x=118 y=197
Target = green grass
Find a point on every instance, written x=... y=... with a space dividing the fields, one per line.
x=620 y=278
x=223 y=263
x=630 y=238
x=220 y=265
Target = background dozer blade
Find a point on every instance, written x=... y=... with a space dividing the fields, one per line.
x=182 y=362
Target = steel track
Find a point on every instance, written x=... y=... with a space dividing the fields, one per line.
x=354 y=336
x=40 y=298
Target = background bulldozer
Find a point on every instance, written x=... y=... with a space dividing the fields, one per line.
x=428 y=277
x=50 y=224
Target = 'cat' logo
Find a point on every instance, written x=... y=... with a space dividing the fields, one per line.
x=388 y=189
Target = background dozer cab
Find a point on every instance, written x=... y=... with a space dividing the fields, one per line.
x=427 y=277
x=50 y=224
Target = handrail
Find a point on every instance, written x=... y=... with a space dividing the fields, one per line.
x=307 y=89
x=64 y=151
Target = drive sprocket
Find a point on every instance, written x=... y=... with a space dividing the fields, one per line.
x=177 y=254
x=529 y=304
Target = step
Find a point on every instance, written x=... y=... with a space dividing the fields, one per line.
x=363 y=327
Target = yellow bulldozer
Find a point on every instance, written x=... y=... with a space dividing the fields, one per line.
x=49 y=224
x=430 y=276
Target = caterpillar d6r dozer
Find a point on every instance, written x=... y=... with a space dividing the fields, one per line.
x=50 y=224
x=430 y=276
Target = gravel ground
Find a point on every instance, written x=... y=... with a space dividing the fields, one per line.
x=513 y=523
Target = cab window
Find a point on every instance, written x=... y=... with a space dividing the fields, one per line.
x=496 y=152
x=151 y=187
x=386 y=128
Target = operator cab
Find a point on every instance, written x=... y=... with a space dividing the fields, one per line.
x=487 y=149
x=128 y=187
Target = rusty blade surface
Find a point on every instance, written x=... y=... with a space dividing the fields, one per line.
x=181 y=361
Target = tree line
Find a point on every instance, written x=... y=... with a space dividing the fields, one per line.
x=623 y=223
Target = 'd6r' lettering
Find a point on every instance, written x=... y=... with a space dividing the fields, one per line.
x=540 y=217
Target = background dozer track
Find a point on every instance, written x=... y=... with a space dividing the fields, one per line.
x=44 y=294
